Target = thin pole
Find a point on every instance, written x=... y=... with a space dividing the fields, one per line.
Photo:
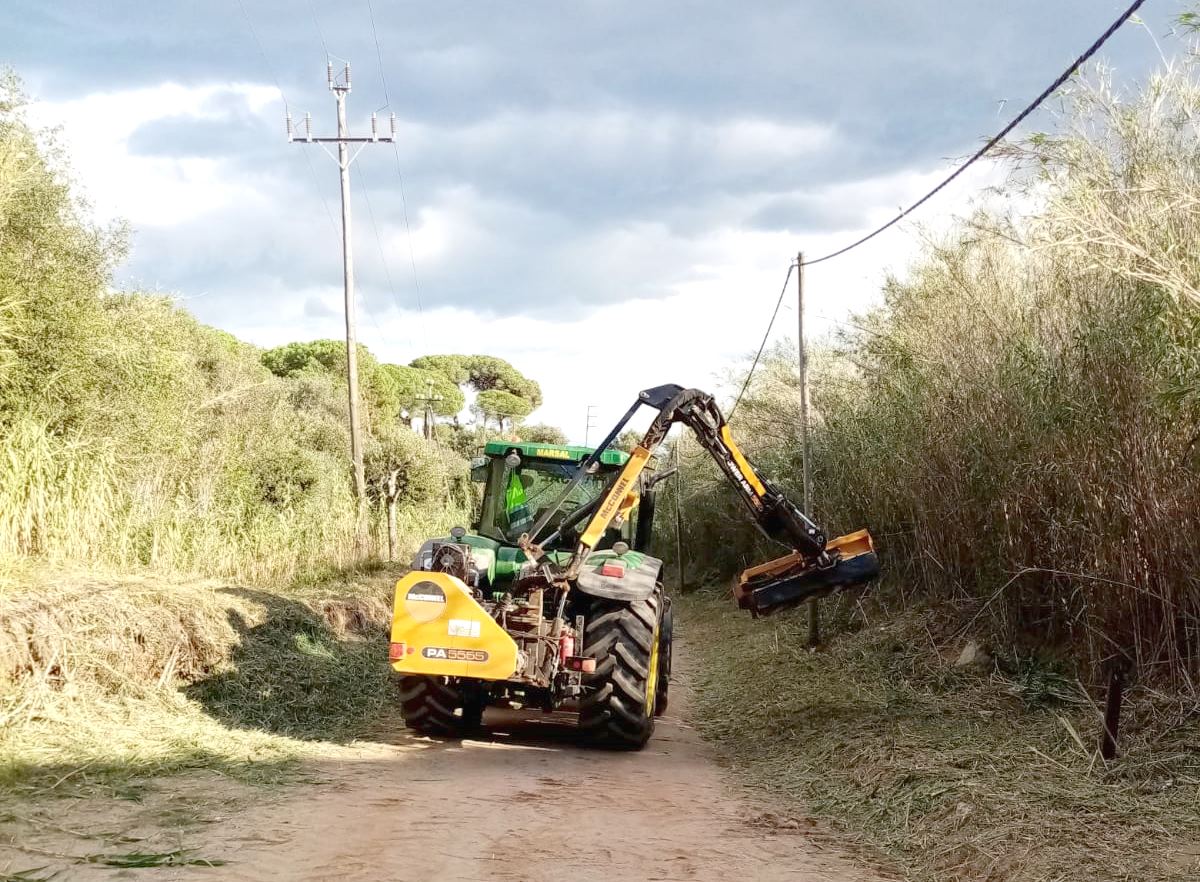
x=803 y=356
x=1112 y=711
x=589 y=425
x=356 y=453
x=679 y=518
x=340 y=86
x=814 y=611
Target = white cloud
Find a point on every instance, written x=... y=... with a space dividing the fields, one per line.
x=725 y=287
x=664 y=302
x=149 y=191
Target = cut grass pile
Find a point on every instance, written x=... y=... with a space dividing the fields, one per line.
x=940 y=772
x=107 y=679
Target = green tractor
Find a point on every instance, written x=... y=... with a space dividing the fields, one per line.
x=554 y=598
x=478 y=622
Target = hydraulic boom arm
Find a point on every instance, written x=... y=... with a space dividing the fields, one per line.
x=816 y=567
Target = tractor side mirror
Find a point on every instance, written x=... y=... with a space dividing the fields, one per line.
x=479 y=469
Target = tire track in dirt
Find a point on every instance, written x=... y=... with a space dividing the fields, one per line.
x=522 y=802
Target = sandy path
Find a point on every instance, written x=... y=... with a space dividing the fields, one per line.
x=522 y=803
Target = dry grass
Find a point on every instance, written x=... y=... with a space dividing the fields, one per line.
x=945 y=774
x=111 y=679
x=1017 y=422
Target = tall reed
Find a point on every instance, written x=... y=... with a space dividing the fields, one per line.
x=1017 y=422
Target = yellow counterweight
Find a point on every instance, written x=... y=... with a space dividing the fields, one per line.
x=438 y=629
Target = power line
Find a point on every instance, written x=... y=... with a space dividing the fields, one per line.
x=979 y=154
x=261 y=53
x=412 y=258
x=378 y=53
x=312 y=7
x=400 y=177
x=992 y=142
x=763 y=344
x=364 y=188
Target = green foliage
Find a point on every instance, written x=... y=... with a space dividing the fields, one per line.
x=483 y=373
x=53 y=266
x=465 y=440
x=489 y=373
x=541 y=433
x=426 y=473
x=380 y=388
x=452 y=367
x=628 y=440
x=413 y=384
x=501 y=406
x=319 y=356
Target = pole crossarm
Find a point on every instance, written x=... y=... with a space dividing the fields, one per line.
x=382 y=139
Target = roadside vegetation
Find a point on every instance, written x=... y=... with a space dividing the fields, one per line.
x=936 y=771
x=181 y=583
x=1017 y=425
x=108 y=679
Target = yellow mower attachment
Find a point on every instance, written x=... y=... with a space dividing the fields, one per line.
x=439 y=630
x=795 y=578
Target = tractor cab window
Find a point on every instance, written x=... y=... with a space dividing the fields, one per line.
x=516 y=497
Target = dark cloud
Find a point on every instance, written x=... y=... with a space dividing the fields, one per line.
x=808 y=213
x=314 y=308
x=589 y=149
x=232 y=132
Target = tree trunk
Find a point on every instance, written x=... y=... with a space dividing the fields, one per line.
x=391 y=515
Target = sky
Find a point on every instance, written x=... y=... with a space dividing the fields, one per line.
x=605 y=193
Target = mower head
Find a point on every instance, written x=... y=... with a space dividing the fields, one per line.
x=790 y=580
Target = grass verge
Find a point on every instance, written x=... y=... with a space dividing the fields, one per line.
x=108 y=681
x=938 y=772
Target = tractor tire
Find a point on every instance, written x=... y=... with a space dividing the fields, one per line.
x=665 y=633
x=434 y=706
x=617 y=707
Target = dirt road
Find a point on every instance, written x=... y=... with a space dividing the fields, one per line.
x=523 y=802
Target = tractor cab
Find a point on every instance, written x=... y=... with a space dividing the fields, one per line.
x=522 y=480
x=519 y=482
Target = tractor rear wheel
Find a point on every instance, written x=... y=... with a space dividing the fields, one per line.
x=436 y=706
x=665 y=630
x=617 y=708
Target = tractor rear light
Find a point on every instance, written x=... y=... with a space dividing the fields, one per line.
x=579 y=663
x=396 y=651
x=614 y=569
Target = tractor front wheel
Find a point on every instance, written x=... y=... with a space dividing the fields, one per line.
x=617 y=708
x=437 y=706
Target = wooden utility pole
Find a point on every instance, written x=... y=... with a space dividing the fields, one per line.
x=430 y=401
x=340 y=86
x=814 y=611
